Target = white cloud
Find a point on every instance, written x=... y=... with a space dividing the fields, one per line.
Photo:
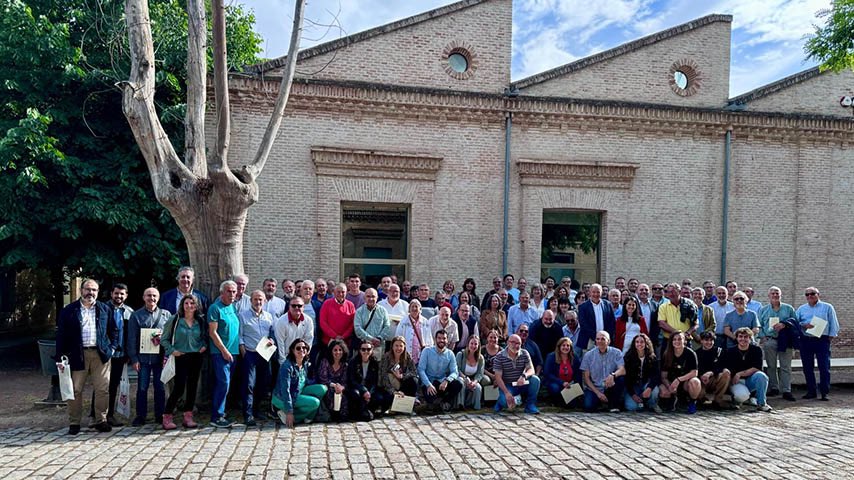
x=541 y=52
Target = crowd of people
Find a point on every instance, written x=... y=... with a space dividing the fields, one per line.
x=348 y=353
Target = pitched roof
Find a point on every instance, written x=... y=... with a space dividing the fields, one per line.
x=363 y=35
x=775 y=87
x=620 y=50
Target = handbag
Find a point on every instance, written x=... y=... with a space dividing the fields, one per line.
x=122 y=406
x=66 y=386
x=168 y=370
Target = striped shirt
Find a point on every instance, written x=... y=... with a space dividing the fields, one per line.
x=511 y=369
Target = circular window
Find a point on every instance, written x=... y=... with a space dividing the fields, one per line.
x=685 y=77
x=458 y=62
x=681 y=79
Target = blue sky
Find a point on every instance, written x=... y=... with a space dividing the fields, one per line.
x=767 y=35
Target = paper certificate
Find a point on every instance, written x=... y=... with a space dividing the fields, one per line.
x=517 y=384
x=265 y=349
x=818 y=326
x=569 y=394
x=394 y=318
x=149 y=340
x=490 y=393
x=402 y=404
x=773 y=321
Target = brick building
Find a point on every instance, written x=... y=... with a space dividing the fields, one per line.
x=634 y=161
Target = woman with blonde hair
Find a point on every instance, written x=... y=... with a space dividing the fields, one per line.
x=470 y=366
x=398 y=374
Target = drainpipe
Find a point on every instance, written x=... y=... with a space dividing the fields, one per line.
x=725 y=222
x=508 y=124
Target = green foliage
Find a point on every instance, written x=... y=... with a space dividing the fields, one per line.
x=74 y=189
x=833 y=43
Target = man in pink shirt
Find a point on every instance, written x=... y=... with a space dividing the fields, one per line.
x=336 y=317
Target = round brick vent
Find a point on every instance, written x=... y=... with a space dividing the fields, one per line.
x=685 y=78
x=459 y=60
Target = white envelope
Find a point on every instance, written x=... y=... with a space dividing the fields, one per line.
x=490 y=393
x=145 y=343
x=402 y=404
x=264 y=349
x=773 y=321
x=818 y=327
x=569 y=394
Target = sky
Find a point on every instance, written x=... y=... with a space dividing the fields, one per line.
x=767 y=35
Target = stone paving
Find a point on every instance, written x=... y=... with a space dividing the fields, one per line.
x=807 y=441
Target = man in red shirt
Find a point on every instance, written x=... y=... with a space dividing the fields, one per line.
x=336 y=317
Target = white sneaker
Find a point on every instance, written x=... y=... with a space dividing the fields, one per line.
x=283 y=416
x=753 y=402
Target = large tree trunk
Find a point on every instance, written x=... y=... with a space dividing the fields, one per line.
x=208 y=199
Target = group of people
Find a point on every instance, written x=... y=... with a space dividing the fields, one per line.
x=344 y=353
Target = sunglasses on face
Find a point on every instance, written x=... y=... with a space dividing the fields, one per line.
x=366 y=349
x=301 y=348
x=810 y=294
x=296 y=305
x=737 y=299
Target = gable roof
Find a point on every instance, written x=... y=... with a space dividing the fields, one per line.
x=775 y=87
x=322 y=48
x=619 y=50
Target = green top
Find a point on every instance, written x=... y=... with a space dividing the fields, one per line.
x=785 y=312
x=186 y=339
x=227 y=327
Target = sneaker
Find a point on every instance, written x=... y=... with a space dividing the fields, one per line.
x=532 y=409
x=824 y=398
x=656 y=408
x=752 y=402
x=692 y=407
x=446 y=407
x=772 y=393
x=102 y=427
x=138 y=422
x=614 y=410
x=250 y=421
x=764 y=408
x=73 y=429
x=221 y=422
x=283 y=416
x=788 y=396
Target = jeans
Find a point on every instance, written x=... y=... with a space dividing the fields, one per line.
x=813 y=349
x=222 y=380
x=528 y=392
x=448 y=395
x=256 y=377
x=633 y=406
x=614 y=394
x=758 y=385
x=779 y=378
x=146 y=371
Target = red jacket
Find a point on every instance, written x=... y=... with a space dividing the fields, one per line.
x=621 y=331
x=336 y=320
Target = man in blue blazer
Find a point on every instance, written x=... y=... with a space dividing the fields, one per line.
x=590 y=314
x=170 y=300
x=87 y=336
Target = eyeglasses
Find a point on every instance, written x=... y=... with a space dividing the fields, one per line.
x=296 y=305
x=302 y=348
x=810 y=294
x=739 y=299
x=658 y=288
x=366 y=349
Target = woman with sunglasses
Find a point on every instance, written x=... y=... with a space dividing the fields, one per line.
x=294 y=401
x=363 y=383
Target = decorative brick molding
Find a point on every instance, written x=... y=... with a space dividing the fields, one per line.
x=694 y=77
x=464 y=49
x=576 y=173
x=339 y=162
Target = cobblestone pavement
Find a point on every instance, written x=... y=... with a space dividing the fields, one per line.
x=806 y=441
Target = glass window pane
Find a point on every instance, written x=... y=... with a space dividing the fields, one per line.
x=374 y=232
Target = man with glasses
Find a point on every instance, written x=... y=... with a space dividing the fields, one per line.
x=291 y=326
x=657 y=294
x=677 y=315
x=437 y=369
x=604 y=375
x=816 y=344
x=777 y=334
x=709 y=289
x=740 y=317
x=753 y=305
x=515 y=377
x=722 y=306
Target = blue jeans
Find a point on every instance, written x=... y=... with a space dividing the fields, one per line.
x=145 y=373
x=633 y=406
x=256 y=377
x=757 y=384
x=222 y=379
x=614 y=394
x=813 y=349
x=528 y=392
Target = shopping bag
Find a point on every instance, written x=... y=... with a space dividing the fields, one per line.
x=66 y=386
x=168 y=370
x=122 y=406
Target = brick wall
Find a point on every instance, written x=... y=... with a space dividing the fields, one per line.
x=818 y=95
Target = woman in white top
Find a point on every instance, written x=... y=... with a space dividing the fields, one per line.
x=415 y=329
x=538 y=299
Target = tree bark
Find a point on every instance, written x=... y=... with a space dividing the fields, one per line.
x=208 y=199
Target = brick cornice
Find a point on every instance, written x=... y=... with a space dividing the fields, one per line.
x=343 y=162
x=576 y=173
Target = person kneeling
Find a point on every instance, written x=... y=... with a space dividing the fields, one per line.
x=362 y=384
x=679 y=374
x=515 y=378
x=744 y=362
x=603 y=372
x=642 y=375
x=437 y=369
x=293 y=401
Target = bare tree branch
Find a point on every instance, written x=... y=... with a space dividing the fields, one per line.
x=197 y=71
x=163 y=163
x=223 y=110
x=254 y=169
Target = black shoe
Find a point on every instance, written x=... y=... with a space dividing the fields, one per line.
x=138 y=422
x=446 y=407
x=824 y=398
x=808 y=396
x=788 y=396
x=114 y=423
x=366 y=416
x=73 y=429
x=102 y=427
x=250 y=421
x=772 y=393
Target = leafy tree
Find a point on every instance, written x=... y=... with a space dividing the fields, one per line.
x=833 y=43
x=77 y=199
